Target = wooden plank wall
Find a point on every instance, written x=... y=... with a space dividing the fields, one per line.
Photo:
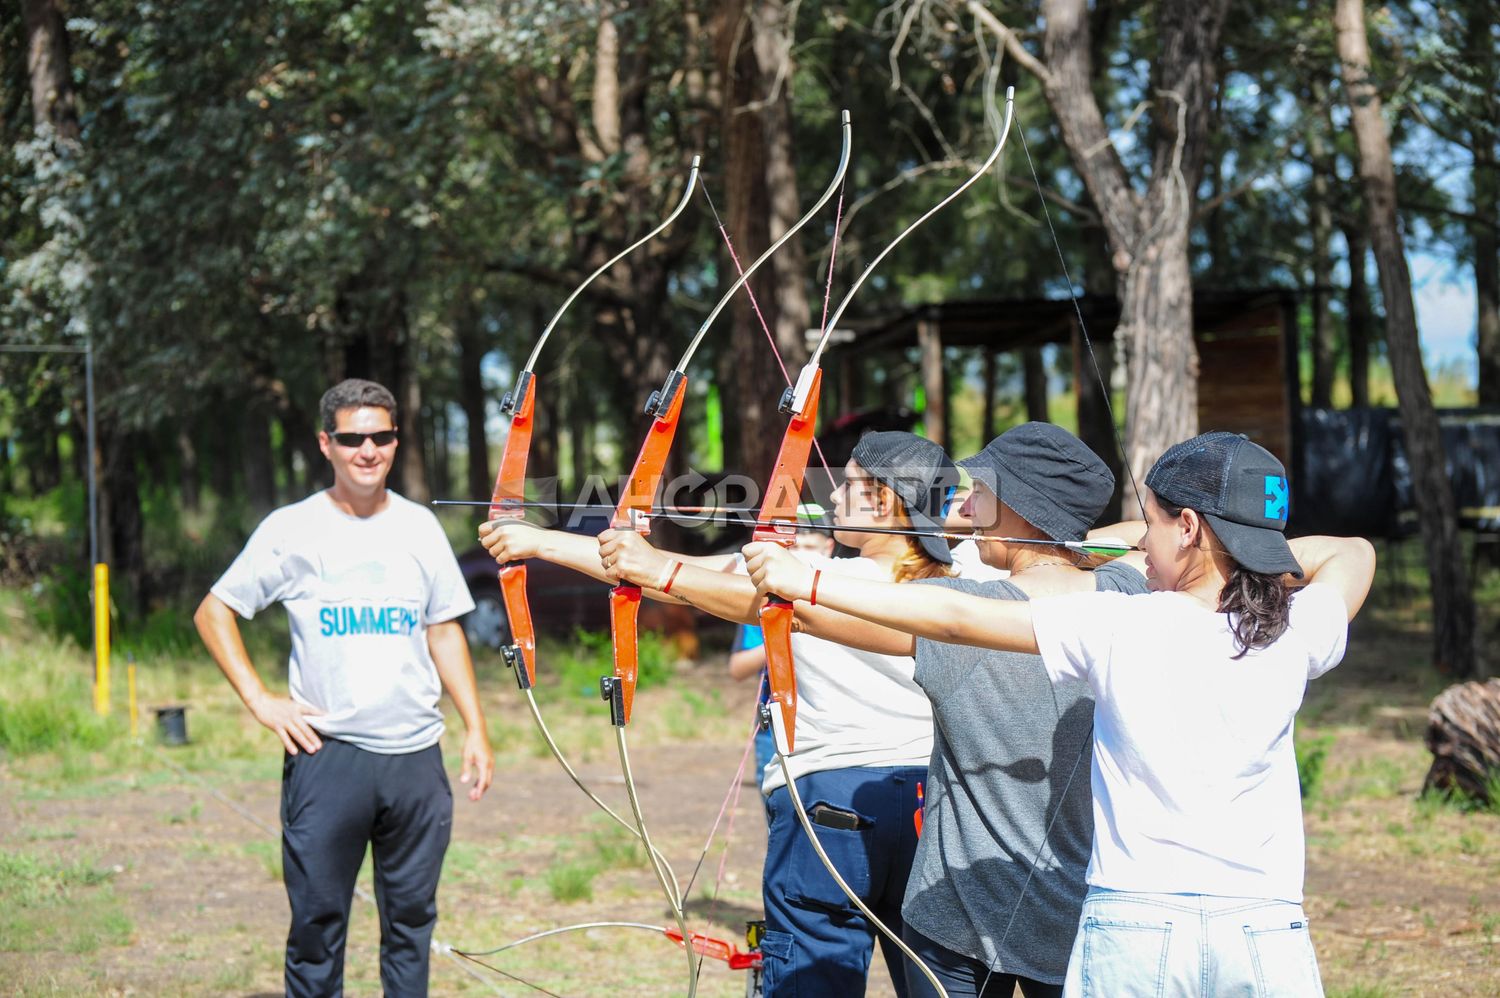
x=1242 y=381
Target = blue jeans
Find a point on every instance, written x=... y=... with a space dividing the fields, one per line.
x=1191 y=944
x=817 y=942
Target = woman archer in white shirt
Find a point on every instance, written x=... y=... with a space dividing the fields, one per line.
x=1195 y=878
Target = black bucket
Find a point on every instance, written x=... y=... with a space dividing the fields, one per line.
x=171 y=725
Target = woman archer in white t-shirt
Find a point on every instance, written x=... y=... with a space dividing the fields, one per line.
x=1197 y=863
x=864 y=728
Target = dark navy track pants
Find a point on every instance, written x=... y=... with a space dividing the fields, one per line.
x=335 y=802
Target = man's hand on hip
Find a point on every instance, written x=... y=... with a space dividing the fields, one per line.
x=288 y=719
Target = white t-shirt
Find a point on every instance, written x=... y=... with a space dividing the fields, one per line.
x=854 y=708
x=1194 y=777
x=359 y=593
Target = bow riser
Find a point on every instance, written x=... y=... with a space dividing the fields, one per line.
x=510 y=492
x=783 y=494
x=638 y=495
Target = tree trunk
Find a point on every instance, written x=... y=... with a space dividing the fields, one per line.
x=1360 y=321
x=1324 y=348
x=188 y=481
x=1486 y=176
x=1148 y=233
x=1036 y=384
x=260 y=466
x=479 y=484
x=1453 y=605
x=1161 y=358
x=122 y=523
x=49 y=67
x=412 y=472
x=987 y=380
x=751 y=380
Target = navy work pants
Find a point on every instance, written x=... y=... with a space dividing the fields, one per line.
x=817 y=942
x=965 y=977
x=334 y=802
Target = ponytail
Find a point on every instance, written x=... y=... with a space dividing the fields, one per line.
x=1258 y=606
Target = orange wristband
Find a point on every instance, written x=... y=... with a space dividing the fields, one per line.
x=676 y=567
x=813 y=596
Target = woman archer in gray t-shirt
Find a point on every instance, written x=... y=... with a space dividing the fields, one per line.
x=998 y=881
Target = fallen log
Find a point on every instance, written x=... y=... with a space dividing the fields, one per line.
x=1463 y=735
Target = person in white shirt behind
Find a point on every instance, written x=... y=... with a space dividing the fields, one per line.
x=863 y=729
x=1197 y=863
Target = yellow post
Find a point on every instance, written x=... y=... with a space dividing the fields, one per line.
x=101 y=639
x=130 y=680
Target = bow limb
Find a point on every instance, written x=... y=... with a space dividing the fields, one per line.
x=508 y=503
x=510 y=481
x=778 y=524
x=665 y=408
x=801 y=403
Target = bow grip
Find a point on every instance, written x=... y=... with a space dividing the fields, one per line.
x=624 y=608
x=522 y=634
x=776 y=623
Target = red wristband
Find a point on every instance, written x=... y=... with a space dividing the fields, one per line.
x=676 y=567
x=812 y=599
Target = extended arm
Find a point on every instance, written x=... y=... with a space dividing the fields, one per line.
x=733 y=596
x=220 y=630
x=514 y=540
x=1346 y=563
x=923 y=611
x=450 y=653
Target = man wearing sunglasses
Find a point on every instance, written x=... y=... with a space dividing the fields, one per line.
x=373 y=595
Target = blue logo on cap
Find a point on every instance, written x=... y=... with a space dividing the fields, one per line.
x=1276 y=497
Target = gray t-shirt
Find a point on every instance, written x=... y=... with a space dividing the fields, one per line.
x=359 y=593
x=1011 y=755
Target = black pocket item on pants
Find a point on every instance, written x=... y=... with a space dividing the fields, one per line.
x=832 y=817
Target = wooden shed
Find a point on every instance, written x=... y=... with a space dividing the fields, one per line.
x=1247 y=354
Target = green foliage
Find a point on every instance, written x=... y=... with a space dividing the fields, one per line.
x=589 y=655
x=47 y=715
x=61 y=604
x=1312 y=753
x=1456 y=798
x=37 y=891
x=571 y=880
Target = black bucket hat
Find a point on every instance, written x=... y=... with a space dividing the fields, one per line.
x=1048 y=476
x=1239 y=488
x=920 y=472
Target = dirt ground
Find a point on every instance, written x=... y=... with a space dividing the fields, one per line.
x=1404 y=896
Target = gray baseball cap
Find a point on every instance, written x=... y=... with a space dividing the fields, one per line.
x=920 y=472
x=1048 y=476
x=1239 y=488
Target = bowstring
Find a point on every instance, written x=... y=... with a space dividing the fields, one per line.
x=754 y=304
x=1109 y=408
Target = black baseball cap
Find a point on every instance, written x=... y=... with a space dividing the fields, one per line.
x=920 y=472
x=1048 y=476
x=1239 y=488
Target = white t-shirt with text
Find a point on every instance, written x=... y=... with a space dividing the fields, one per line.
x=359 y=593
x=1194 y=775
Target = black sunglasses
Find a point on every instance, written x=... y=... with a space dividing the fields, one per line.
x=381 y=438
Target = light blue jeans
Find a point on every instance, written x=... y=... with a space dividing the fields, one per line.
x=1159 y=945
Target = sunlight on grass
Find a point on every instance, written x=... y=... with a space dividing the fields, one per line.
x=48 y=904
